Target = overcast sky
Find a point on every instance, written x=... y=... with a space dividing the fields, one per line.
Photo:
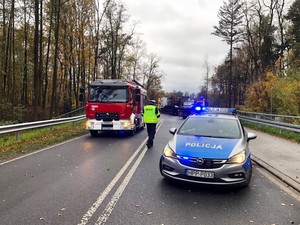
x=179 y=33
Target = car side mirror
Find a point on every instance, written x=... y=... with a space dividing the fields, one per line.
x=173 y=130
x=251 y=136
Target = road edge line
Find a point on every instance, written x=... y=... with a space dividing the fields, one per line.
x=284 y=178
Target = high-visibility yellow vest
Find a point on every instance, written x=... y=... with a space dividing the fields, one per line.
x=149 y=114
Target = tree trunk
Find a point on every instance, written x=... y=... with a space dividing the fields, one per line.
x=53 y=108
x=36 y=60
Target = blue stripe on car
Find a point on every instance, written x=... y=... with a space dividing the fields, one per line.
x=204 y=147
x=247 y=164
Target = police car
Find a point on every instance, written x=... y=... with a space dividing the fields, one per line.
x=210 y=147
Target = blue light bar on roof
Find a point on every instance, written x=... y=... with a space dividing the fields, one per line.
x=221 y=110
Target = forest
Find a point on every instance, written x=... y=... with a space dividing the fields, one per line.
x=51 y=49
x=262 y=70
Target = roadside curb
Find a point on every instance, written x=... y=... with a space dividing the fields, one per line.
x=286 y=179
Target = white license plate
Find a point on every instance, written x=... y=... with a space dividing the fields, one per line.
x=107 y=128
x=199 y=173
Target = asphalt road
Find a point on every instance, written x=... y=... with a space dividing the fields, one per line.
x=113 y=179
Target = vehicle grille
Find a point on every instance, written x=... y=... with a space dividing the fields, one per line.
x=207 y=163
x=214 y=180
x=109 y=116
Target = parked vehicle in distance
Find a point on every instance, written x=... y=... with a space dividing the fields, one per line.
x=171 y=105
x=192 y=106
x=187 y=108
x=210 y=147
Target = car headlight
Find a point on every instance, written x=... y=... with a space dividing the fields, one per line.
x=168 y=152
x=238 y=158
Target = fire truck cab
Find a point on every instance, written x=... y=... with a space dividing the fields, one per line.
x=115 y=105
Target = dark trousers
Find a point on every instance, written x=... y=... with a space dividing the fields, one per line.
x=151 y=130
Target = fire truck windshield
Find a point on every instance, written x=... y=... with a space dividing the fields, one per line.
x=108 y=94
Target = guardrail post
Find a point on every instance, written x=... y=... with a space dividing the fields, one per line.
x=18 y=135
x=278 y=119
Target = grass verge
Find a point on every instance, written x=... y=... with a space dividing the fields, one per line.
x=33 y=140
x=289 y=135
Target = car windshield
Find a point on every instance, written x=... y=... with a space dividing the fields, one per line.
x=108 y=94
x=211 y=127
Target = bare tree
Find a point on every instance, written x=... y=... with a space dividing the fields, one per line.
x=97 y=43
x=152 y=76
x=206 y=76
x=134 y=59
x=116 y=40
x=281 y=27
x=230 y=18
x=53 y=108
x=36 y=80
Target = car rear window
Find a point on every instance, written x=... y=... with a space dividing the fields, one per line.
x=211 y=127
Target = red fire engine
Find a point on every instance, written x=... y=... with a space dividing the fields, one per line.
x=115 y=105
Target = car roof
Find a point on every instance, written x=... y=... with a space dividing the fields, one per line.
x=228 y=113
x=214 y=115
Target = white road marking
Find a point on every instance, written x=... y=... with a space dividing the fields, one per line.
x=110 y=206
x=44 y=149
x=100 y=199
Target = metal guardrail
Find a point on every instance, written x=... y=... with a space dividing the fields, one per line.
x=74 y=112
x=38 y=124
x=270 y=120
x=251 y=117
x=269 y=116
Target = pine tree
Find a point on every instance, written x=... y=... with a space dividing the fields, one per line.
x=230 y=18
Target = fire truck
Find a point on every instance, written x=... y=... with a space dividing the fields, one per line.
x=115 y=105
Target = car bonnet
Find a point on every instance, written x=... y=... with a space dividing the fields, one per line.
x=205 y=147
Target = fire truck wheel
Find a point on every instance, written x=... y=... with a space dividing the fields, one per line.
x=94 y=133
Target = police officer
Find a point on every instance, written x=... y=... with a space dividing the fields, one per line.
x=151 y=115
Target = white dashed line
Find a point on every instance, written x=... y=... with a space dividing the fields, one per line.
x=95 y=206
x=110 y=206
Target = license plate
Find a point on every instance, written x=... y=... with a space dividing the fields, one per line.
x=107 y=128
x=199 y=173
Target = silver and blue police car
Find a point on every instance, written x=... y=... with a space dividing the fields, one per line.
x=210 y=147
